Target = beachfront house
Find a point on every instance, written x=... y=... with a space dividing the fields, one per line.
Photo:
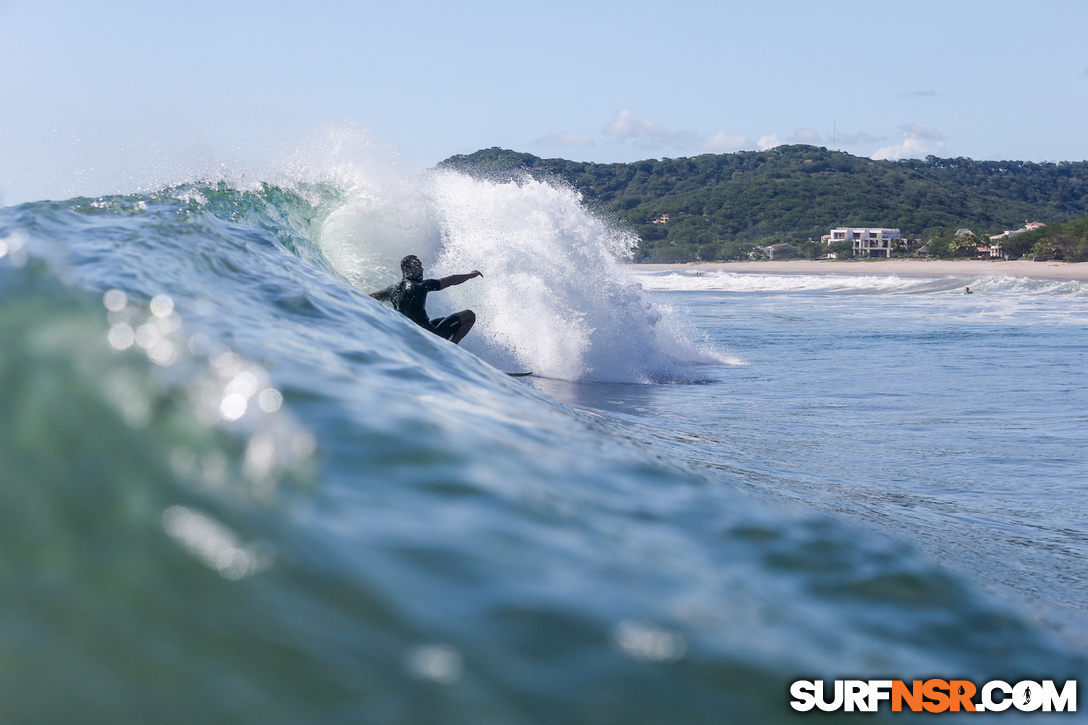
x=1028 y=227
x=775 y=251
x=868 y=242
x=996 y=240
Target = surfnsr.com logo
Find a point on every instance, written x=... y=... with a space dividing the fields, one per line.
x=934 y=696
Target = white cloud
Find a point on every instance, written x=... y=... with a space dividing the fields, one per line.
x=918 y=141
x=564 y=140
x=769 y=142
x=806 y=136
x=643 y=133
x=631 y=126
x=647 y=135
x=722 y=142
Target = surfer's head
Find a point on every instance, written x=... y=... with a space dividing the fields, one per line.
x=411 y=267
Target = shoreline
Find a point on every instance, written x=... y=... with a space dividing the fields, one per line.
x=899 y=267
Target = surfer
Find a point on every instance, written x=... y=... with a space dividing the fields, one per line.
x=968 y=291
x=409 y=297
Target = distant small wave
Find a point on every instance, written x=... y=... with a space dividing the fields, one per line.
x=722 y=281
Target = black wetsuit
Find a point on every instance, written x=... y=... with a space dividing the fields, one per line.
x=409 y=297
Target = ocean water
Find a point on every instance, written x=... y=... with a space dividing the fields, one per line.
x=235 y=488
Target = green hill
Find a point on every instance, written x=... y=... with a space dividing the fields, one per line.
x=719 y=206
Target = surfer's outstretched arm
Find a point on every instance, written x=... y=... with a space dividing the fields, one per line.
x=458 y=279
x=382 y=294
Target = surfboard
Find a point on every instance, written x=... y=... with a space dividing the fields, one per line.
x=519 y=374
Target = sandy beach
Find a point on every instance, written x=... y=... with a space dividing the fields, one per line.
x=899 y=267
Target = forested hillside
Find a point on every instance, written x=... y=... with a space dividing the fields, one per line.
x=720 y=206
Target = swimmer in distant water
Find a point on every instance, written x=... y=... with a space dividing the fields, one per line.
x=967 y=291
x=409 y=296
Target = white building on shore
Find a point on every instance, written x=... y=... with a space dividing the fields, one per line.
x=868 y=242
x=1028 y=227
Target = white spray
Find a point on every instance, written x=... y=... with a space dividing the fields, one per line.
x=555 y=297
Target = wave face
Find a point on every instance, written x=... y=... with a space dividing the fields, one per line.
x=236 y=488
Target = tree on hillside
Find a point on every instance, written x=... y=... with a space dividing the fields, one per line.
x=719 y=203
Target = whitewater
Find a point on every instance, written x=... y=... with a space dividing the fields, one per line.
x=238 y=489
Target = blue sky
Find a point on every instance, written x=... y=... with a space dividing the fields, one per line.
x=118 y=95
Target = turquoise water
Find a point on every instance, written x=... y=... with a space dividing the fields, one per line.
x=237 y=489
